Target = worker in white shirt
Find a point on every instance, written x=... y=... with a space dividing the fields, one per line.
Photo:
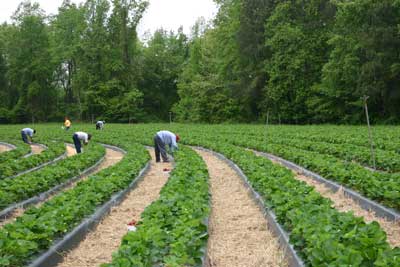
x=78 y=137
x=100 y=125
x=161 y=139
x=27 y=135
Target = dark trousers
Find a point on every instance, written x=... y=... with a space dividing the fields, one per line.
x=159 y=148
x=77 y=143
x=24 y=137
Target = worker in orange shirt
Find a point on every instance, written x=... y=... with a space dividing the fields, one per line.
x=67 y=123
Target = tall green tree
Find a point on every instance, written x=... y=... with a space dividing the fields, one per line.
x=364 y=61
x=296 y=36
x=67 y=29
x=30 y=69
x=204 y=97
x=163 y=59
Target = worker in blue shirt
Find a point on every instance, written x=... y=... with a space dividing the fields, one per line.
x=163 y=139
x=27 y=135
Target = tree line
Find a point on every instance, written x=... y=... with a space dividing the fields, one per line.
x=291 y=61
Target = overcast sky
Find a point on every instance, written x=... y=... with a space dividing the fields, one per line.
x=168 y=14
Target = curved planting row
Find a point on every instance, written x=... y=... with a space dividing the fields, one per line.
x=385 y=138
x=381 y=187
x=20 y=149
x=173 y=230
x=13 y=166
x=320 y=234
x=30 y=184
x=385 y=160
x=34 y=232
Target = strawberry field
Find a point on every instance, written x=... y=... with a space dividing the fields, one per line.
x=45 y=217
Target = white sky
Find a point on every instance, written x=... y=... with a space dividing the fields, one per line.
x=168 y=14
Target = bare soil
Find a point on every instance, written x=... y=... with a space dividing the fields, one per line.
x=70 y=150
x=98 y=246
x=4 y=148
x=238 y=232
x=36 y=149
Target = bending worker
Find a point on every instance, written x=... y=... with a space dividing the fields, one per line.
x=67 y=123
x=100 y=125
x=27 y=135
x=78 y=137
x=161 y=139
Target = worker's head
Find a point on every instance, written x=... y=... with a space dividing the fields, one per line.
x=34 y=131
x=89 y=136
x=177 y=138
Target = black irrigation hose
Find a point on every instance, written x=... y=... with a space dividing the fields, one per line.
x=283 y=238
x=54 y=255
x=364 y=202
x=5 y=213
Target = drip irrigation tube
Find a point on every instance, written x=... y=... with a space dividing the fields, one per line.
x=364 y=202
x=283 y=237
x=5 y=213
x=54 y=255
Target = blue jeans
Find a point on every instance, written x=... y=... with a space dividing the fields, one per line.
x=159 y=148
x=24 y=137
x=77 y=143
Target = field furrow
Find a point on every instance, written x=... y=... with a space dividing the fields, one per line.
x=238 y=232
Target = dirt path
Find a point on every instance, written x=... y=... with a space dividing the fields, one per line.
x=37 y=149
x=238 y=231
x=70 y=150
x=98 y=246
x=111 y=157
x=343 y=203
x=4 y=148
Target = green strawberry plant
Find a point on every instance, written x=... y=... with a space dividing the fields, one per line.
x=172 y=230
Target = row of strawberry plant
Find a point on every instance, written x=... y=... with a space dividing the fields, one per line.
x=172 y=230
x=385 y=160
x=381 y=187
x=39 y=228
x=20 y=149
x=385 y=138
x=33 y=183
x=13 y=166
x=306 y=138
x=322 y=235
